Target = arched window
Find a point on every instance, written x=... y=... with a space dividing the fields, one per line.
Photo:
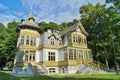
x=26 y=57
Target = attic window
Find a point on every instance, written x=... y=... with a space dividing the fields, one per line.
x=52 y=41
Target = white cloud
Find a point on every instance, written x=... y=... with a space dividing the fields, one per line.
x=66 y=17
x=3 y=6
x=56 y=10
x=5 y=18
x=18 y=13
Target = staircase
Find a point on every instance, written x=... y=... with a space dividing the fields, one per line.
x=40 y=70
x=84 y=69
x=92 y=68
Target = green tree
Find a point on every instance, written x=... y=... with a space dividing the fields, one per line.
x=95 y=19
x=115 y=22
x=9 y=43
x=2 y=38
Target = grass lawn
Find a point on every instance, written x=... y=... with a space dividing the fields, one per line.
x=5 y=76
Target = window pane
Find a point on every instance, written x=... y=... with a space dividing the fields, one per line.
x=27 y=40
x=34 y=41
x=71 y=54
x=22 y=40
x=51 y=56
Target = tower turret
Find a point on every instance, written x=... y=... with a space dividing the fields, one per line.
x=28 y=42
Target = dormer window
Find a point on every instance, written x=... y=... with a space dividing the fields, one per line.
x=52 y=39
x=60 y=42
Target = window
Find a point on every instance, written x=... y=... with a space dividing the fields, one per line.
x=71 y=54
x=60 y=42
x=32 y=56
x=85 y=41
x=22 y=40
x=82 y=40
x=26 y=57
x=29 y=56
x=80 y=54
x=75 y=54
x=65 y=54
x=74 y=38
x=79 y=39
x=52 y=42
x=31 y=41
x=34 y=41
x=52 y=70
x=51 y=56
x=27 y=40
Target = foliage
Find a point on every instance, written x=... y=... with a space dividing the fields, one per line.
x=115 y=22
x=8 y=44
x=54 y=26
x=99 y=21
x=115 y=2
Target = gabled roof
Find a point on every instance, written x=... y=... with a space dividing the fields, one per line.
x=73 y=28
x=52 y=35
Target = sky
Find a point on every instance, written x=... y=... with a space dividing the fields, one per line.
x=57 y=11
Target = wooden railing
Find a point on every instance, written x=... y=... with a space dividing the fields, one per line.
x=96 y=65
x=100 y=65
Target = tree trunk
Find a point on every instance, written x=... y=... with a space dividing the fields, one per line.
x=106 y=61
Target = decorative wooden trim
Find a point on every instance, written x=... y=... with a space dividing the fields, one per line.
x=49 y=46
x=30 y=33
x=63 y=63
x=25 y=47
x=50 y=63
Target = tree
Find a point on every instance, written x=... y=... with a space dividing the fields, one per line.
x=99 y=21
x=115 y=2
x=95 y=19
x=9 y=42
x=2 y=38
x=115 y=20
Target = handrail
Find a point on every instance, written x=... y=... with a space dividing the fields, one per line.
x=97 y=65
x=100 y=65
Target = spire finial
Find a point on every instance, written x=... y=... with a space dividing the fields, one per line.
x=30 y=11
